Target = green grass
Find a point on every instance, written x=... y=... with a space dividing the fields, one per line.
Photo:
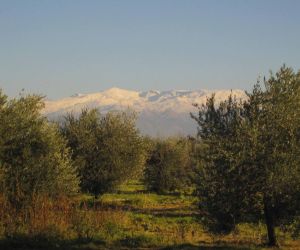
x=172 y=222
x=132 y=218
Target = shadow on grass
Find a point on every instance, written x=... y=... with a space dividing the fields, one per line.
x=141 y=191
x=159 y=212
x=206 y=247
x=25 y=243
x=36 y=244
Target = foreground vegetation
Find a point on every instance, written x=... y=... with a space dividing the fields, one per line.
x=251 y=156
x=128 y=218
x=237 y=184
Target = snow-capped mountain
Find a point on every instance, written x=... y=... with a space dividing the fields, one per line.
x=160 y=113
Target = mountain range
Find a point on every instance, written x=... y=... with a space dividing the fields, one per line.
x=160 y=113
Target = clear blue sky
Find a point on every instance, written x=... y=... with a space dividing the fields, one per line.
x=62 y=47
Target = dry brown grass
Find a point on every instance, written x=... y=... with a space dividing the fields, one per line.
x=55 y=220
x=82 y=221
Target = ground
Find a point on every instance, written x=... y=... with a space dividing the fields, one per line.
x=173 y=222
x=133 y=218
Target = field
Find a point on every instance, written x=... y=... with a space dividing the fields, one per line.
x=132 y=218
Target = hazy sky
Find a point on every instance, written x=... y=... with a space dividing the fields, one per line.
x=61 y=47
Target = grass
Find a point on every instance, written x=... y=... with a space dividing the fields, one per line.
x=130 y=218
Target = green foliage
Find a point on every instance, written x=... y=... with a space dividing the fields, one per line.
x=33 y=156
x=107 y=149
x=142 y=240
x=218 y=182
x=251 y=155
x=86 y=224
x=165 y=221
x=169 y=167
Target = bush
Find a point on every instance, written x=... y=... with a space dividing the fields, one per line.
x=34 y=159
x=169 y=167
x=107 y=149
x=250 y=159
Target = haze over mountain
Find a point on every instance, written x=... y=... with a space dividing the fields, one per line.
x=160 y=113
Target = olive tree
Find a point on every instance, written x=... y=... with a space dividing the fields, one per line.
x=34 y=158
x=108 y=149
x=250 y=163
x=169 y=166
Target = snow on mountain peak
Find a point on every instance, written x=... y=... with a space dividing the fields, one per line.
x=160 y=112
x=117 y=92
x=77 y=95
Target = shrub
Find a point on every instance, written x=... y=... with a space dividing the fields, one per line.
x=107 y=149
x=169 y=168
x=250 y=159
x=34 y=159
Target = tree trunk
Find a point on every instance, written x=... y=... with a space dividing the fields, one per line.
x=269 y=218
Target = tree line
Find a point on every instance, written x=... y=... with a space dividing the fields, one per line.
x=244 y=163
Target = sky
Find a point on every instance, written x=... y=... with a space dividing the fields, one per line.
x=61 y=47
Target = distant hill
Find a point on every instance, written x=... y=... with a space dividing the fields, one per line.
x=161 y=113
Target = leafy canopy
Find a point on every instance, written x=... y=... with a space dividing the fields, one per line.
x=34 y=158
x=107 y=149
x=251 y=158
x=169 y=166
